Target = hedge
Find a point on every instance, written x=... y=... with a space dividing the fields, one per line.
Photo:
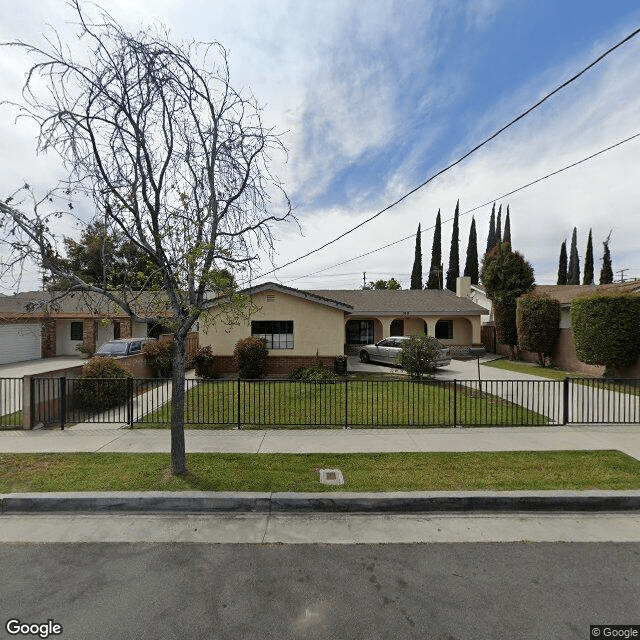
x=538 y=323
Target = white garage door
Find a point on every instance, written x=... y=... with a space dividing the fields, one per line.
x=19 y=342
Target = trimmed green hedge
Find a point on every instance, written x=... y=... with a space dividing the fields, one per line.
x=606 y=330
x=538 y=322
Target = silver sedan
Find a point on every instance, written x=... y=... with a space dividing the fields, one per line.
x=387 y=350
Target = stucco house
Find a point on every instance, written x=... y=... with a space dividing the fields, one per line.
x=36 y=324
x=300 y=325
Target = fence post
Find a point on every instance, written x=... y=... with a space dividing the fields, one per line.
x=238 y=404
x=130 y=403
x=346 y=403
x=63 y=402
x=455 y=402
x=565 y=401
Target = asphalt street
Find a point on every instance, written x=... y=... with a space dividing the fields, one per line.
x=541 y=591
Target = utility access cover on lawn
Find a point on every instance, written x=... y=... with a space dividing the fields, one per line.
x=331 y=476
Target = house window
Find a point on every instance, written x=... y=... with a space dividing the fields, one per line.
x=444 y=329
x=277 y=333
x=397 y=327
x=359 y=331
x=116 y=330
x=76 y=330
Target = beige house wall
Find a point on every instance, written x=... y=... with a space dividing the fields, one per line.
x=316 y=327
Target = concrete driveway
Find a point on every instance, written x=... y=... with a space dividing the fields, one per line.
x=35 y=367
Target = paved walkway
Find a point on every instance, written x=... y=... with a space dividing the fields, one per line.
x=625 y=438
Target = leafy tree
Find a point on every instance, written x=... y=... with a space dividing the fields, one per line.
x=491 y=237
x=506 y=238
x=562 y=264
x=498 y=233
x=588 y=262
x=434 y=281
x=416 y=272
x=176 y=159
x=606 y=273
x=506 y=276
x=471 y=269
x=606 y=330
x=573 y=272
x=453 y=272
x=392 y=284
x=418 y=356
x=538 y=324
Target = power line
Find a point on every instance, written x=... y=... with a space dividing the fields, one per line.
x=468 y=211
x=459 y=160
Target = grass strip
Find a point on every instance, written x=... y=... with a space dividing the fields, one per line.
x=531 y=369
x=299 y=472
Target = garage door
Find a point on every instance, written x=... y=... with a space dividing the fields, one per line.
x=19 y=342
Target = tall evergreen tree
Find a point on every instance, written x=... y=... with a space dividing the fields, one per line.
x=416 y=272
x=606 y=273
x=471 y=265
x=492 y=229
x=506 y=237
x=434 y=281
x=588 y=262
x=562 y=264
x=573 y=272
x=453 y=272
x=498 y=235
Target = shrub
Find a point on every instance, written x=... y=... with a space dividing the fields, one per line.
x=159 y=355
x=250 y=355
x=317 y=371
x=418 y=356
x=204 y=362
x=606 y=330
x=538 y=322
x=103 y=384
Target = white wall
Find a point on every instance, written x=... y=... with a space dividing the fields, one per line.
x=65 y=346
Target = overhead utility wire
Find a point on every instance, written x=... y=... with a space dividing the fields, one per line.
x=459 y=160
x=468 y=211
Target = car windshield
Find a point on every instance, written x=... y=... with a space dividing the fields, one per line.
x=113 y=349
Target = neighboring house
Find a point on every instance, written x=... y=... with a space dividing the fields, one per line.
x=302 y=325
x=564 y=355
x=36 y=325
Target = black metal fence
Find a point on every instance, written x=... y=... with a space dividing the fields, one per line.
x=10 y=403
x=333 y=404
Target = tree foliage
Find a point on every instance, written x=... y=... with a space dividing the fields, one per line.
x=506 y=276
x=416 y=272
x=573 y=271
x=434 y=281
x=538 y=324
x=250 y=355
x=606 y=330
x=606 y=273
x=453 y=272
x=392 y=284
x=562 y=264
x=418 y=356
x=471 y=269
x=506 y=236
x=491 y=236
x=176 y=160
x=588 y=262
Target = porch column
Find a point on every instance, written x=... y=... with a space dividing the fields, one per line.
x=476 y=330
x=386 y=326
x=431 y=326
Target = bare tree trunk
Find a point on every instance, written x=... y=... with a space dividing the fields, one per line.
x=178 y=452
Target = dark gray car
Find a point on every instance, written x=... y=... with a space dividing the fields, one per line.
x=387 y=350
x=123 y=347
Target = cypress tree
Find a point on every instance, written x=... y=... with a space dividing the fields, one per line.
x=588 y=262
x=416 y=273
x=562 y=264
x=492 y=229
x=434 y=280
x=606 y=273
x=498 y=235
x=573 y=272
x=506 y=237
x=471 y=265
x=454 y=253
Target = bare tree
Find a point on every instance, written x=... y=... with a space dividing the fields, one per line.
x=174 y=159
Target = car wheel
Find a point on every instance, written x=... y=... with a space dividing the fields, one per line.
x=364 y=357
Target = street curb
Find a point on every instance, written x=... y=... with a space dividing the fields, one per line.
x=335 y=502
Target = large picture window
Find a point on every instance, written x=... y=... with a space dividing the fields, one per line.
x=444 y=329
x=359 y=331
x=277 y=333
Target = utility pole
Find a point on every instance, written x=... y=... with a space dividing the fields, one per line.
x=364 y=279
x=621 y=272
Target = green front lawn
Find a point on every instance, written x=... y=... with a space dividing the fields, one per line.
x=11 y=420
x=293 y=472
x=360 y=403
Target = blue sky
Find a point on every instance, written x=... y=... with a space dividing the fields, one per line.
x=373 y=97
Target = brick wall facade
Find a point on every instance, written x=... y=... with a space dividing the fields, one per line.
x=48 y=338
x=277 y=366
